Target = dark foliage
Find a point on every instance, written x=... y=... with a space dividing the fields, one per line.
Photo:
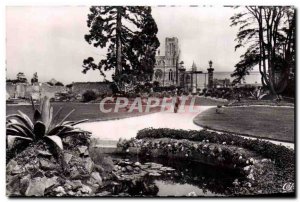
x=282 y=156
x=88 y=96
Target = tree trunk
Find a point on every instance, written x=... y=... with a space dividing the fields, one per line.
x=118 y=69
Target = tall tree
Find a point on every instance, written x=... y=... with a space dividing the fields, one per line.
x=34 y=78
x=268 y=33
x=119 y=28
x=21 y=77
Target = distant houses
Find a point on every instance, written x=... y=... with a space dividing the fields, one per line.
x=53 y=89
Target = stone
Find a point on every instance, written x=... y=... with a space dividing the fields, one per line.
x=24 y=183
x=17 y=170
x=156 y=174
x=71 y=193
x=46 y=165
x=82 y=149
x=98 y=168
x=76 y=184
x=36 y=187
x=85 y=189
x=50 y=182
x=11 y=165
x=86 y=153
x=96 y=178
x=89 y=165
x=192 y=194
x=129 y=168
x=38 y=174
x=74 y=174
x=104 y=193
x=67 y=157
x=137 y=164
x=44 y=153
x=60 y=191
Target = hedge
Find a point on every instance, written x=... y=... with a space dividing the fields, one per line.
x=283 y=157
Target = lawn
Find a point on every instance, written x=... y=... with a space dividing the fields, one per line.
x=275 y=123
x=89 y=111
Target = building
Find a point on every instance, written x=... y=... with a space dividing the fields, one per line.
x=166 y=66
x=99 y=88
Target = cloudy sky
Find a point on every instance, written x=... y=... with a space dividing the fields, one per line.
x=50 y=40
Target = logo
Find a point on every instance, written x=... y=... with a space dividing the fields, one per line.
x=288 y=187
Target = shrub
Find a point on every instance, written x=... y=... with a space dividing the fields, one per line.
x=283 y=156
x=21 y=130
x=88 y=96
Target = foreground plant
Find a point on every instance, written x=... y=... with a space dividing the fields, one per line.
x=44 y=126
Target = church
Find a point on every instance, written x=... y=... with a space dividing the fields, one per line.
x=167 y=66
x=168 y=71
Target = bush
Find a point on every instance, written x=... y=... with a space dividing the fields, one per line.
x=282 y=156
x=89 y=95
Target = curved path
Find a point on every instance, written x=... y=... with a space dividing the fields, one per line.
x=112 y=130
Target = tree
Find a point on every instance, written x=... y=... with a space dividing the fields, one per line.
x=88 y=96
x=128 y=33
x=21 y=77
x=268 y=33
x=59 y=83
x=34 y=78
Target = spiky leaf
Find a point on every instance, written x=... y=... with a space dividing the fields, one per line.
x=57 y=140
x=39 y=129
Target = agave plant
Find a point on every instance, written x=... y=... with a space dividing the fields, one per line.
x=257 y=94
x=43 y=126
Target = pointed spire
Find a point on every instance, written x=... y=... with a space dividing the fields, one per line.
x=194 y=67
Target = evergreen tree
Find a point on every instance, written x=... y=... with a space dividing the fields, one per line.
x=129 y=34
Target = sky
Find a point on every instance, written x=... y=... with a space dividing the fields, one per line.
x=50 y=40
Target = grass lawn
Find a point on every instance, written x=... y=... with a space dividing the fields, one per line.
x=275 y=123
x=89 y=111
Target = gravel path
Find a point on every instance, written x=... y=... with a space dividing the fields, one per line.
x=127 y=128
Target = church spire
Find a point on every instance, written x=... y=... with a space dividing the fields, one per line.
x=194 y=67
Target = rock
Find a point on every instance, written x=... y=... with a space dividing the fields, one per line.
x=76 y=184
x=71 y=193
x=60 y=191
x=38 y=174
x=89 y=165
x=67 y=157
x=50 y=182
x=86 y=153
x=236 y=182
x=11 y=165
x=129 y=168
x=46 y=165
x=44 y=153
x=104 y=193
x=24 y=183
x=96 y=178
x=156 y=174
x=137 y=164
x=13 y=185
x=85 y=189
x=36 y=187
x=82 y=149
x=74 y=174
x=17 y=170
x=192 y=194
x=98 y=168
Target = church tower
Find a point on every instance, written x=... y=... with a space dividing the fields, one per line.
x=166 y=67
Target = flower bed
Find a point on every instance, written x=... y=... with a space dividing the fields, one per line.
x=267 y=167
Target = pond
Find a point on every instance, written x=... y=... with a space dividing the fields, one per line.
x=182 y=178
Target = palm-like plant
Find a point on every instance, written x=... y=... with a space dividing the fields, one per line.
x=44 y=125
x=257 y=94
